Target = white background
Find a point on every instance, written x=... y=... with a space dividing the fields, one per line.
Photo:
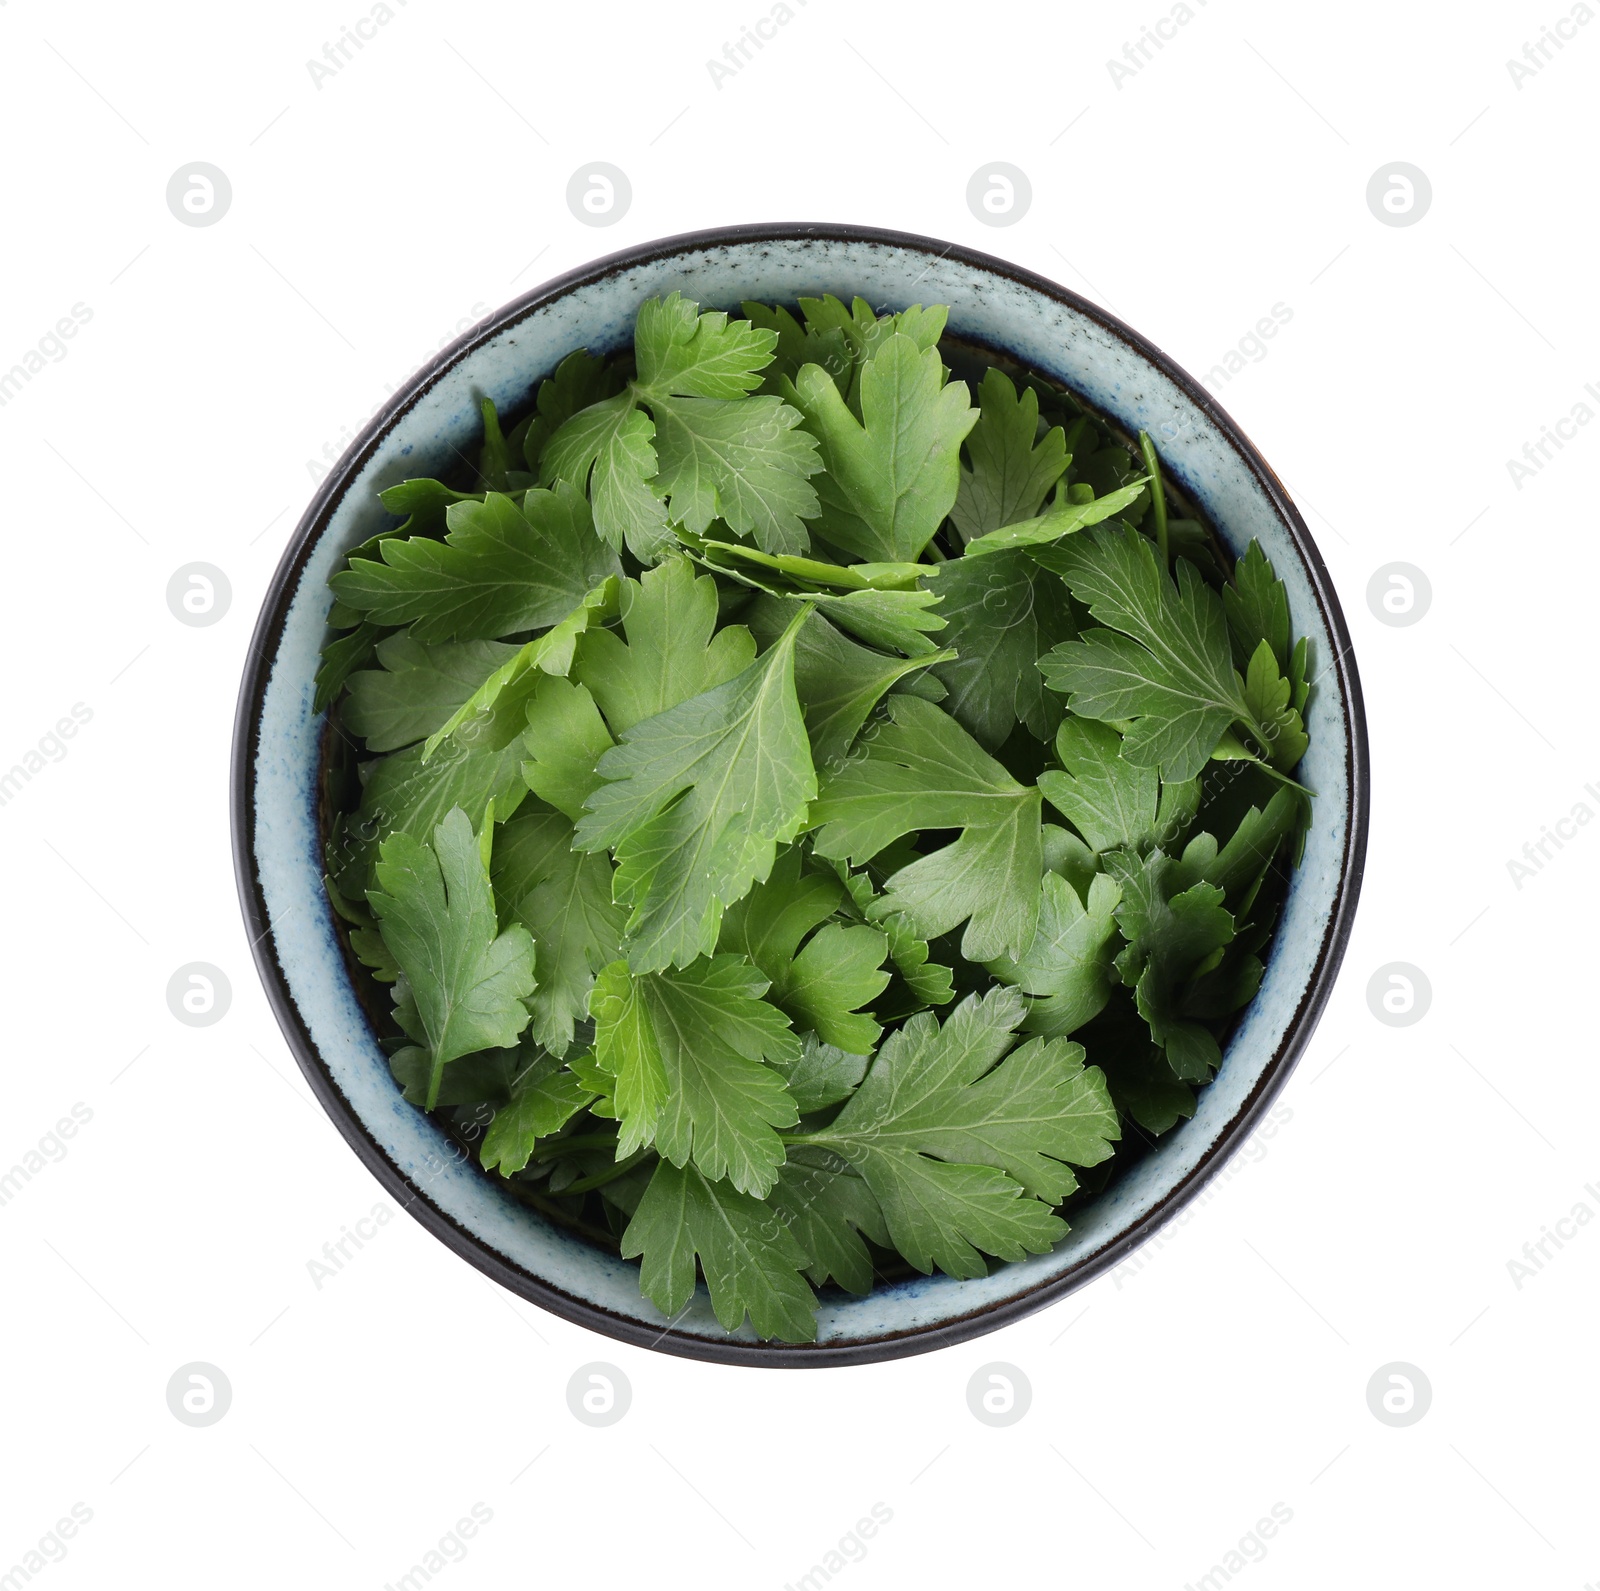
x=375 y=215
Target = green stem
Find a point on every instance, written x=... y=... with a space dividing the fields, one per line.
x=1158 y=494
x=595 y=1234
x=575 y=1145
x=600 y=1178
x=1263 y=760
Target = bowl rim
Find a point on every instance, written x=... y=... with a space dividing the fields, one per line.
x=414 y=1198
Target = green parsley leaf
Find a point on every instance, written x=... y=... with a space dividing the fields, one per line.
x=722 y=454
x=1174 y=934
x=788 y=574
x=481 y=1078
x=341 y=657
x=928 y=981
x=1169 y=670
x=838 y=682
x=566 y=737
x=424 y=503
x=877 y=602
x=670 y=652
x=892 y=475
x=1067 y=965
x=742 y=462
x=437 y=913
x=1066 y=854
x=544 y=1098
x=800 y=345
x=550 y=653
x=1013 y=467
x=1267 y=692
x=1238 y=867
x=1141 y=1082
x=1004 y=613
x=921 y=770
x=960 y=1150
x=1257 y=605
x=1113 y=803
x=579 y=381
x=494 y=459
x=823 y=1075
x=609 y=450
x=687 y=1050
x=821 y=987
x=1064 y=519
x=696 y=802
x=406 y=794
x=500 y=568
x=828 y=1206
x=562 y=897
x=751 y=1260
x=864 y=332
x=417 y=688
x=683 y=353
x=365 y=939
x=896 y=621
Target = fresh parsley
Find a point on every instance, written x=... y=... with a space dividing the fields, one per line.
x=800 y=808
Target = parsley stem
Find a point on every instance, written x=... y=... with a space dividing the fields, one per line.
x=575 y=1145
x=566 y=1218
x=601 y=1178
x=1264 y=763
x=1158 y=494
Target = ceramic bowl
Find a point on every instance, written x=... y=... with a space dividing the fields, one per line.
x=423 y=430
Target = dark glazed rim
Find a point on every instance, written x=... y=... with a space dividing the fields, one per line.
x=860 y=1350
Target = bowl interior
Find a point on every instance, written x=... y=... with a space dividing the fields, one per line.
x=428 y=428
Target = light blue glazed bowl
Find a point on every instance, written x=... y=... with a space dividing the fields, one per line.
x=428 y=426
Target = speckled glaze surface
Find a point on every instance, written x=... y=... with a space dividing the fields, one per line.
x=275 y=775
